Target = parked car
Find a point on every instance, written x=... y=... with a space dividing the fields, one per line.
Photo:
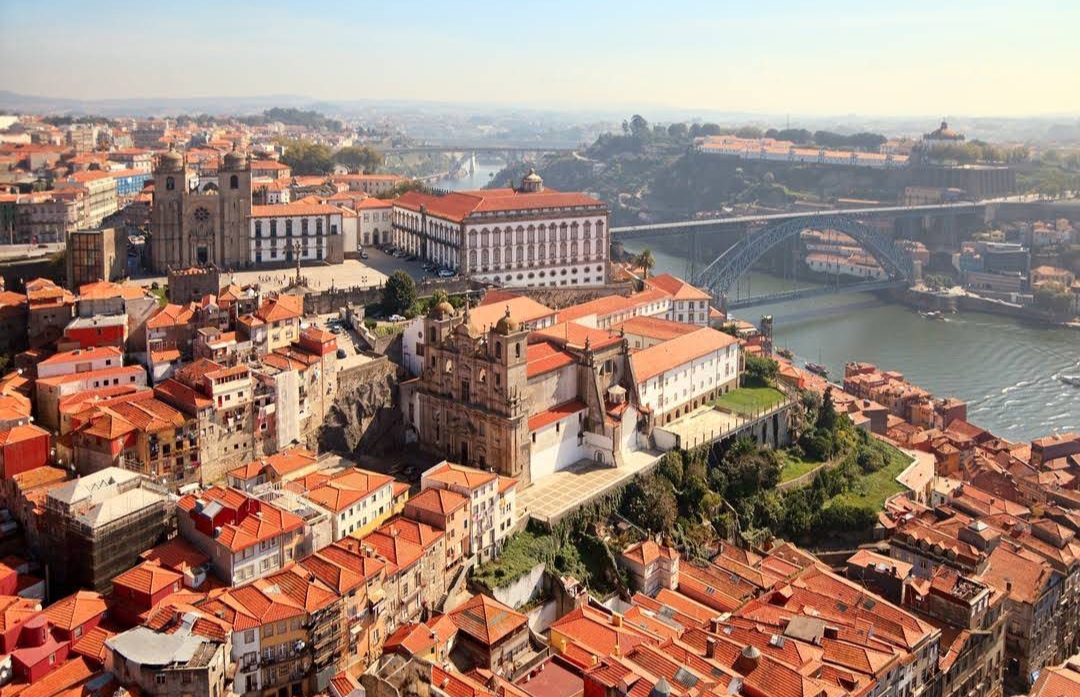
x=446 y=273
x=363 y=254
x=397 y=318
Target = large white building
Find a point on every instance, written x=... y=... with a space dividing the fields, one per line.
x=529 y=236
x=276 y=232
x=674 y=377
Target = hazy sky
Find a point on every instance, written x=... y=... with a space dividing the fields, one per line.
x=984 y=57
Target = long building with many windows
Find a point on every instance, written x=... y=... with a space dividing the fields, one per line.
x=279 y=232
x=526 y=236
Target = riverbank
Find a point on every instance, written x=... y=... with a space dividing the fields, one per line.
x=967 y=302
x=1006 y=368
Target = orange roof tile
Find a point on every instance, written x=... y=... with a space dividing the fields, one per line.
x=659 y=358
x=486 y=619
x=75 y=610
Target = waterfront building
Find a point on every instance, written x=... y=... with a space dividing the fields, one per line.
x=679 y=375
x=527 y=236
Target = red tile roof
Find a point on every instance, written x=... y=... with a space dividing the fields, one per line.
x=75 y=610
x=486 y=619
x=449 y=473
x=148 y=578
x=439 y=501
x=655 y=360
x=558 y=413
x=544 y=357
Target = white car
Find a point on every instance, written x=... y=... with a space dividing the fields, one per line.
x=397 y=318
x=446 y=273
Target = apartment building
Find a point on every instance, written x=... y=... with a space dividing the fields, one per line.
x=244 y=537
x=491 y=504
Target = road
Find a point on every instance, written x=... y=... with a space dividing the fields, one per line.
x=29 y=251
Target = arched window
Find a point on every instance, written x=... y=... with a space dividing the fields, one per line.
x=483 y=376
x=520 y=234
x=574 y=230
x=517 y=350
x=449 y=366
x=170 y=183
x=234 y=182
x=587 y=226
x=498 y=349
x=542 y=253
x=587 y=248
x=573 y=250
x=497 y=256
x=472 y=258
x=484 y=258
x=532 y=234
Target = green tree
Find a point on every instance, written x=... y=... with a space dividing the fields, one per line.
x=1054 y=297
x=760 y=370
x=359 y=158
x=670 y=467
x=639 y=127
x=645 y=261
x=399 y=293
x=650 y=503
x=826 y=419
x=678 y=131
x=306 y=157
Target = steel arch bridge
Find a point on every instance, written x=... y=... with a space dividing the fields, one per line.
x=721 y=275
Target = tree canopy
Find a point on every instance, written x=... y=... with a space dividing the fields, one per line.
x=306 y=157
x=359 y=158
x=399 y=293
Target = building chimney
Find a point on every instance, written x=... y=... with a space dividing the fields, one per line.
x=616 y=619
x=748 y=660
x=710 y=647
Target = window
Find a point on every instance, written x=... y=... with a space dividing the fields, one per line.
x=234 y=182
x=159 y=678
x=170 y=183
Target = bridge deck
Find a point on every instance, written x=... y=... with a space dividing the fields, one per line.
x=885 y=211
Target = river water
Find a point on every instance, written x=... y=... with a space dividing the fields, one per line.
x=477 y=180
x=1007 y=370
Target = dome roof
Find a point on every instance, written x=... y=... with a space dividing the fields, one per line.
x=507 y=324
x=171 y=160
x=442 y=310
x=235 y=159
x=532 y=182
x=751 y=652
x=943 y=132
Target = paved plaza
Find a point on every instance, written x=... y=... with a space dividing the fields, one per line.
x=550 y=499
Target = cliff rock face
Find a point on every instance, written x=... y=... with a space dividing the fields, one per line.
x=365 y=417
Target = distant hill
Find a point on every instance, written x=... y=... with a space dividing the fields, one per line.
x=149 y=106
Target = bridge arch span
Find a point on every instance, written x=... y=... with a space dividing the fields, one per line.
x=721 y=275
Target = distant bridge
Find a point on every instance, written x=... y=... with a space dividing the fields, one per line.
x=486 y=148
x=710 y=224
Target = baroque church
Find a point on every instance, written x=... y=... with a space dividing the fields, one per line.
x=195 y=222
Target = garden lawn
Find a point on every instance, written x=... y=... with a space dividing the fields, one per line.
x=872 y=489
x=750 y=400
x=795 y=466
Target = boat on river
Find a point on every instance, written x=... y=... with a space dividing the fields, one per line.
x=1073 y=380
x=818 y=369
